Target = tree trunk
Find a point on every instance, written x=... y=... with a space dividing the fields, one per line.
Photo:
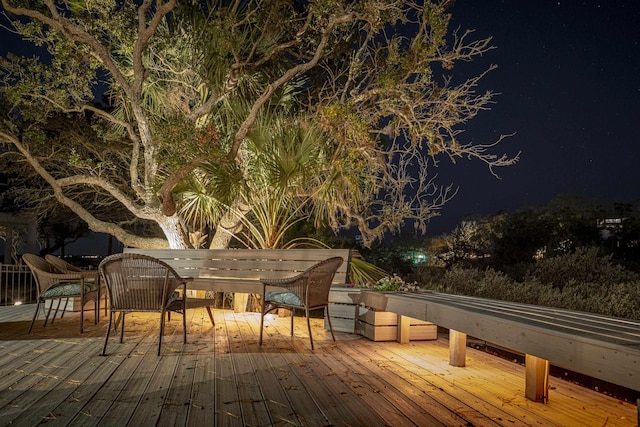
x=174 y=232
x=230 y=224
x=221 y=239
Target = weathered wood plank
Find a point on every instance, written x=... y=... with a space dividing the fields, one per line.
x=277 y=404
x=227 y=400
x=178 y=400
x=352 y=381
x=32 y=381
x=247 y=263
x=130 y=358
x=202 y=401
x=83 y=384
x=276 y=353
x=501 y=388
x=552 y=334
x=337 y=401
x=152 y=387
x=418 y=397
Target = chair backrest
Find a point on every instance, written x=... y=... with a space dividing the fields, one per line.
x=42 y=271
x=60 y=264
x=38 y=263
x=138 y=282
x=319 y=279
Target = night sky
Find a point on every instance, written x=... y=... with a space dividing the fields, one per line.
x=569 y=78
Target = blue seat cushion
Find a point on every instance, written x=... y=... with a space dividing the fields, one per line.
x=283 y=297
x=67 y=289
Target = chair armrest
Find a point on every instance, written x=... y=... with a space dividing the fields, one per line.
x=180 y=283
x=89 y=274
x=297 y=285
x=61 y=277
x=287 y=283
x=48 y=280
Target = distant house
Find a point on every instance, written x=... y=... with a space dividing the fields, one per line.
x=610 y=227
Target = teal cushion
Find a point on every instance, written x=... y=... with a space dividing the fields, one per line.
x=67 y=289
x=283 y=297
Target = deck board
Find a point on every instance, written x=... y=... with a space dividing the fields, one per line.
x=222 y=377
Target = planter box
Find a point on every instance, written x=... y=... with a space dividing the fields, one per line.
x=390 y=333
x=342 y=309
x=383 y=326
x=376 y=325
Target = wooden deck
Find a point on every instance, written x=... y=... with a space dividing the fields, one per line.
x=222 y=377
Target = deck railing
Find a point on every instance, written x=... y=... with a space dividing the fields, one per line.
x=16 y=285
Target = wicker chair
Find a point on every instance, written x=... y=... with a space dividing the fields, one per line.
x=89 y=275
x=142 y=283
x=307 y=291
x=53 y=285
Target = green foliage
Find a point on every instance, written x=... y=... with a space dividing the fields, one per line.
x=389 y=284
x=582 y=280
x=394 y=254
x=363 y=272
x=508 y=241
x=585 y=265
x=361 y=92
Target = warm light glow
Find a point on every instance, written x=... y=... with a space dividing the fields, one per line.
x=17 y=303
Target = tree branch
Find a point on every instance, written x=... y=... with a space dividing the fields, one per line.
x=286 y=77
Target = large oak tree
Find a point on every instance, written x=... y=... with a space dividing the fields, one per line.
x=130 y=104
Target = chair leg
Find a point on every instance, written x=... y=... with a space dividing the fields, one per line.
x=66 y=303
x=261 y=321
x=306 y=311
x=122 y=328
x=211 y=316
x=35 y=315
x=46 y=318
x=97 y=306
x=55 y=313
x=330 y=325
x=106 y=339
x=161 y=332
x=184 y=324
x=82 y=315
x=292 y=311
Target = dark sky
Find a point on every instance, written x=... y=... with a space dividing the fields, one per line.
x=569 y=78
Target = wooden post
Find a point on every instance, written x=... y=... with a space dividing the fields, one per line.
x=457 y=348
x=536 y=379
x=404 y=329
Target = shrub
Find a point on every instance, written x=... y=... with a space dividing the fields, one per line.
x=583 y=281
x=585 y=265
